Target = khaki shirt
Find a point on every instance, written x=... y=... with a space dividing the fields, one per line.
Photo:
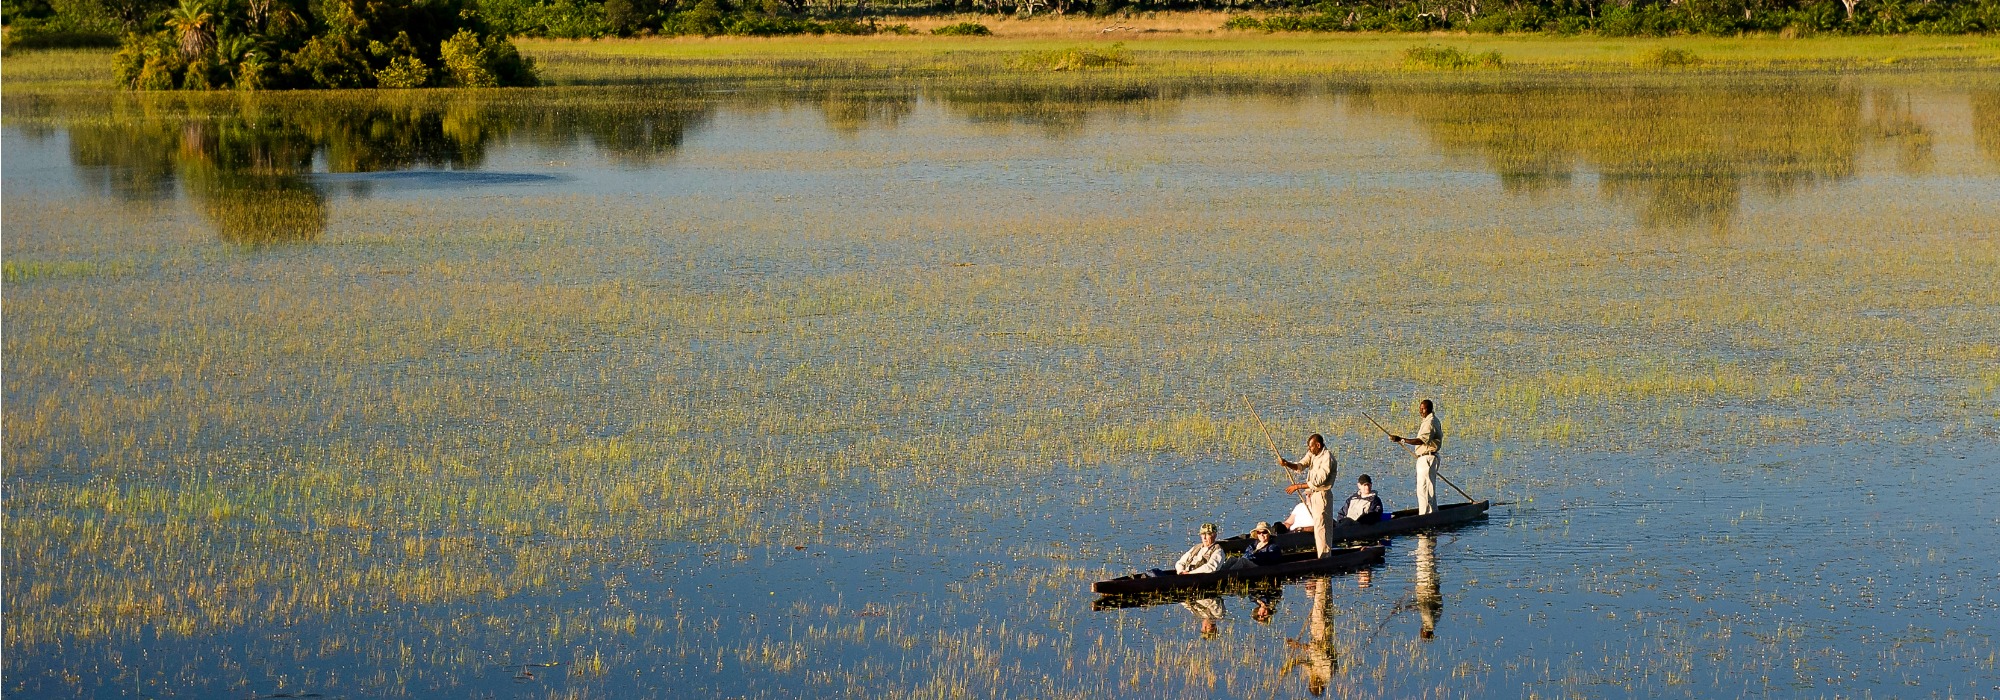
x=1202 y=559
x=1432 y=435
x=1319 y=470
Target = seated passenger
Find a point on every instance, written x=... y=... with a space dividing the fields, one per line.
x=1205 y=557
x=1262 y=551
x=1364 y=507
x=1300 y=520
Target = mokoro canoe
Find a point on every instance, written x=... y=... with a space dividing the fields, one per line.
x=1300 y=564
x=1403 y=521
x=1272 y=589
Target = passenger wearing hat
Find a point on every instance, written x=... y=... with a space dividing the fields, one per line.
x=1205 y=557
x=1262 y=552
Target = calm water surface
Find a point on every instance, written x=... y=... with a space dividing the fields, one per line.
x=1833 y=538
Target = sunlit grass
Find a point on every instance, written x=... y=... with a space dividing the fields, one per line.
x=1175 y=46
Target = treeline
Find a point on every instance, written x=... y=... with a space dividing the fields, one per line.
x=578 y=19
x=1639 y=17
x=600 y=18
x=278 y=44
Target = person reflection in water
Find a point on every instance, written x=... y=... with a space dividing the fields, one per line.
x=1318 y=656
x=1209 y=611
x=1267 y=603
x=1429 y=601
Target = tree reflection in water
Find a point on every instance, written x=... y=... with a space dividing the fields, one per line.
x=1681 y=155
x=247 y=161
x=1986 y=124
x=1060 y=111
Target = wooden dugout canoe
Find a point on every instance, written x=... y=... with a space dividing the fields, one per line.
x=1300 y=564
x=1404 y=521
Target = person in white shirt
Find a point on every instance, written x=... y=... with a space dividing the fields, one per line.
x=1299 y=520
x=1427 y=443
x=1320 y=468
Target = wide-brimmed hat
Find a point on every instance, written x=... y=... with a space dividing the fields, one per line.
x=1208 y=528
x=1261 y=527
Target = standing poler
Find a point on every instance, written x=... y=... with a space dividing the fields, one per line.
x=1320 y=468
x=1429 y=439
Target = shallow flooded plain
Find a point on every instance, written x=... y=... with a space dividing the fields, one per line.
x=854 y=389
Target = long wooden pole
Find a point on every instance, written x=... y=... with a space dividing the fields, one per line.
x=1438 y=473
x=1289 y=474
x=1260 y=427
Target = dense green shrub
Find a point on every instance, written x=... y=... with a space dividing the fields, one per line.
x=963 y=29
x=265 y=44
x=54 y=33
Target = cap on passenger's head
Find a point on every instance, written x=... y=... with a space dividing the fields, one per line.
x=1208 y=528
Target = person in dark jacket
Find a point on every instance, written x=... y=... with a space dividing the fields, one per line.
x=1262 y=551
x=1364 y=507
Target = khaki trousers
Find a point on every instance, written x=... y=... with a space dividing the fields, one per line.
x=1316 y=505
x=1427 y=484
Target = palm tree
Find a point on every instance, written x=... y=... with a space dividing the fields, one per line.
x=195 y=25
x=235 y=51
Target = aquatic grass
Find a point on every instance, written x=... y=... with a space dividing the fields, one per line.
x=1078 y=58
x=25 y=270
x=1670 y=57
x=1173 y=46
x=1449 y=58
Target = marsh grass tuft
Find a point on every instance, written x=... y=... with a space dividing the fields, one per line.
x=1072 y=59
x=1670 y=57
x=25 y=270
x=1449 y=58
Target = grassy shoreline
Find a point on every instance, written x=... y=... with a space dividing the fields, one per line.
x=1172 y=47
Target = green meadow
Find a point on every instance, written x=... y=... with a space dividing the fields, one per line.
x=764 y=299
